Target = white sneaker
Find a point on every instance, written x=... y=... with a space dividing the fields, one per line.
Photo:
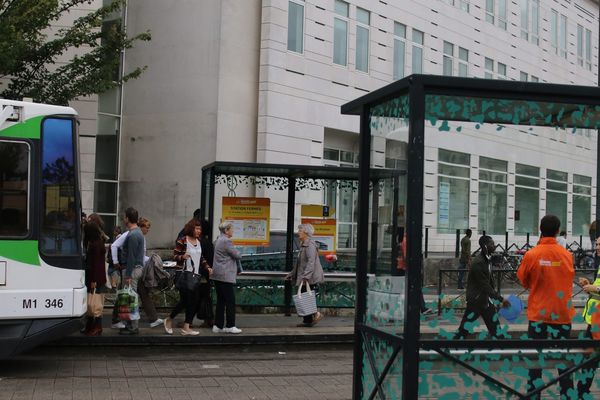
x=233 y=329
x=216 y=329
x=118 y=325
x=156 y=323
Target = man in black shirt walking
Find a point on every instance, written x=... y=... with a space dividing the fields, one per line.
x=481 y=292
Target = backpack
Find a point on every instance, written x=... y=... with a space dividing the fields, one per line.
x=154 y=275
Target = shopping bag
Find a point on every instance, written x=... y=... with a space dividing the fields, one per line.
x=306 y=303
x=127 y=304
x=95 y=304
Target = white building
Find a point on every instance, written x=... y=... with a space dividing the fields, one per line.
x=263 y=81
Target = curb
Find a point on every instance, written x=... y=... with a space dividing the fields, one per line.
x=213 y=340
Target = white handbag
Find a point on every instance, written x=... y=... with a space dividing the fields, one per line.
x=306 y=303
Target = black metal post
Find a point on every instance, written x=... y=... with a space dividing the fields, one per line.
x=414 y=229
x=203 y=184
x=439 y=288
x=395 y=238
x=374 y=226
x=289 y=245
x=426 y=242
x=211 y=203
x=457 y=244
x=528 y=246
x=506 y=241
x=581 y=241
x=362 y=248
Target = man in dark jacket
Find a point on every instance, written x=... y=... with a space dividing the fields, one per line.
x=480 y=292
x=465 y=257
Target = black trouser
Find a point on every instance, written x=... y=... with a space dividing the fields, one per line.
x=583 y=386
x=188 y=299
x=308 y=319
x=539 y=330
x=472 y=313
x=225 y=304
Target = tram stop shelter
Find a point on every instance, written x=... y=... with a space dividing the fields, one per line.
x=391 y=359
x=294 y=178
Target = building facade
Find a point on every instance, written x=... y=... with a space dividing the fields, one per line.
x=263 y=81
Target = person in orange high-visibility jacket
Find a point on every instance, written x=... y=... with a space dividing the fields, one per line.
x=591 y=314
x=547 y=271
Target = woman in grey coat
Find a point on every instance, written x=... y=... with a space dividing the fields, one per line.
x=307 y=268
x=225 y=270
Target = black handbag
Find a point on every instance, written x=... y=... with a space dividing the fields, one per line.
x=188 y=280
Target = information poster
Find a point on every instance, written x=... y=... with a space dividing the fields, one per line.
x=250 y=219
x=325 y=232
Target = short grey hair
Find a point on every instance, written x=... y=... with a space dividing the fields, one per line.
x=307 y=228
x=223 y=226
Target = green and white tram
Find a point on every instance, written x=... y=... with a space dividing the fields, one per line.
x=42 y=286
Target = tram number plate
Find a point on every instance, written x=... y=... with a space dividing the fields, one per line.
x=50 y=303
x=46 y=303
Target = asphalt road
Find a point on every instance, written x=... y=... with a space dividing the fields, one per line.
x=179 y=372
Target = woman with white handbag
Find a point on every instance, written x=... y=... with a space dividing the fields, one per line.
x=307 y=274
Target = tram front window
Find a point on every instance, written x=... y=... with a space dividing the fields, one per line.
x=60 y=219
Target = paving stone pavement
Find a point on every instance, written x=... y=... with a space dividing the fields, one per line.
x=179 y=372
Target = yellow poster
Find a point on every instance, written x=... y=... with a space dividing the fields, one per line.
x=316 y=211
x=325 y=232
x=250 y=219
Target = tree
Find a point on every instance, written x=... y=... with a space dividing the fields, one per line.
x=31 y=49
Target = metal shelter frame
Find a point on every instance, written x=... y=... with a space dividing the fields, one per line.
x=292 y=173
x=409 y=344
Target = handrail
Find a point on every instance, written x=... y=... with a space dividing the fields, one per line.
x=280 y=275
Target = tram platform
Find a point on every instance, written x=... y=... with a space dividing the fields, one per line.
x=274 y=329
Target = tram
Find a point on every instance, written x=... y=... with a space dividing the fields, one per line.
x=42 y=284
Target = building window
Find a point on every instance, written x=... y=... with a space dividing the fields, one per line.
x=340 y=33
x=501 y=71
x=295 y=41
x=448 y=60
x=418 y=39
x=14 y=189
x=527 y=199
x=580 y=45
x=463 y=62
x=490 y=72
x=399 y=49
x=588 y=49
x=343 y=198
x=556 y=195
x=558 y=33
x=523 y=76
x=530 y=20
x=495 y=12
x=489 y=68
x=362 y=39
x=584 y=47
x=453 y=190
x=462 y=4
x=582 y=203
x=534 y=78
x=492 y=195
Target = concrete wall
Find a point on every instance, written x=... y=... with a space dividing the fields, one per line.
x=195 y=103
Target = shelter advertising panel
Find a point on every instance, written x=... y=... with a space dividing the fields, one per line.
x=250 y=219
x=325 y=231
